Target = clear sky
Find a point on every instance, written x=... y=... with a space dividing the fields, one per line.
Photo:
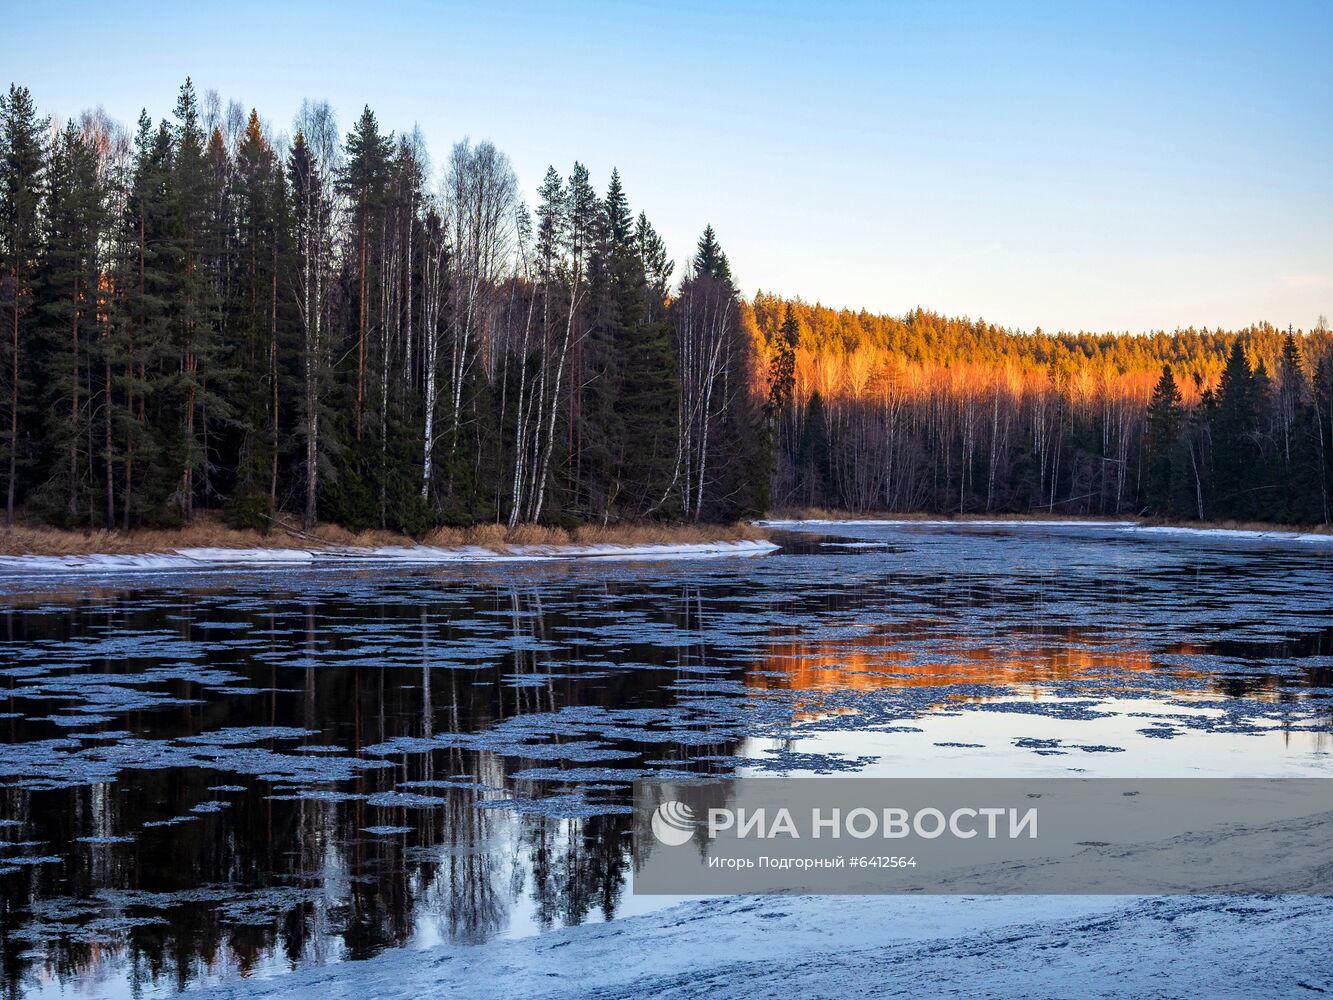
x=1108 y=165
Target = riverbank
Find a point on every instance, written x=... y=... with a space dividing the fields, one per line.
x=814 y=515
x=209 y=533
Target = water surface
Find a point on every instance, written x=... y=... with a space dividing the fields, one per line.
x=233 y=773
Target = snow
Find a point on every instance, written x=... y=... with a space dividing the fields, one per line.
x=745 y=946
x=344 y=556
x=906 y=522
x=1117 y=527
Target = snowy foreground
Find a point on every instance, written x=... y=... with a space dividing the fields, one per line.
x=1002 y=946
x=344 y=556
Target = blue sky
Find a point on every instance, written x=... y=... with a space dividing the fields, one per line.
x=1065 y=165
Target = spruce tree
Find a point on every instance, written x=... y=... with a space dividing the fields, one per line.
x=191 y=199
x=710 y=260
x=68 y=288
x=1322 y=404
x=1161 y=436
x=21 y=180
x=1235 y=437
x=144 y=360
x=1298 y=460
x=259 y=351
x=365 y=180
x=657 y=267
x=812 y=458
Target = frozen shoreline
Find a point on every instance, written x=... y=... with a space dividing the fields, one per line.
x=1008 y=945
x=186 y=559
x=745 y=946
x=1119 y=527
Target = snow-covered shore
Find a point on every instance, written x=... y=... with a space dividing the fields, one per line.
x=1119 y=527
x=348 y=556
x=1003 y=946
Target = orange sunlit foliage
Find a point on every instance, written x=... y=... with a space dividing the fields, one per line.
x=929 y=413
x=844 y=354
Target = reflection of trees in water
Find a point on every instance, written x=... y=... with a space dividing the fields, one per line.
x=295 y=880
x=1309 y=683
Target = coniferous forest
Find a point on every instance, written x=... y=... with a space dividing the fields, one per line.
x=206 y=313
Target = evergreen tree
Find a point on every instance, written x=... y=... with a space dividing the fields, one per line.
x=1161 y=437
x=21 y=179
x=365 y=181
x=782 y=369
x=1236 y=455
x=1322 y=405
x=68 y=288
x=194 y=389
x=311 y=252
x=1298 y=460
x=146 y=267
x=812 y=459
x=261 y=317
x=710 y=260
x=657 y=268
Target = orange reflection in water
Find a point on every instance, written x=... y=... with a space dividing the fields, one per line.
x=919 y=657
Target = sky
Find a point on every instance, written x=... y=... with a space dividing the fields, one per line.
x=1095 y=166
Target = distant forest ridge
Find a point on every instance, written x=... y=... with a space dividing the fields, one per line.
x=199 y=313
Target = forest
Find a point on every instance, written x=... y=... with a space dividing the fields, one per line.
x=206 y=313
x=925 y=413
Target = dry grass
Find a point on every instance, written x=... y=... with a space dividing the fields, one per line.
x=826 y=514
x=208 y=531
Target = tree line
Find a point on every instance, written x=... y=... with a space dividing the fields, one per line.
x=201 y=314
x=928 y=413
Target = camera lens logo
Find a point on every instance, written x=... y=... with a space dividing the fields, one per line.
x=673 y=823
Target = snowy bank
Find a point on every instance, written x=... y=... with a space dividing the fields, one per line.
x=346 y=556
x=744 y=946
x=1116 y=527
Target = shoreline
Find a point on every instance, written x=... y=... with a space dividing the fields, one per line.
x=209 y=541
x=208 y=534
x=819 y=515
